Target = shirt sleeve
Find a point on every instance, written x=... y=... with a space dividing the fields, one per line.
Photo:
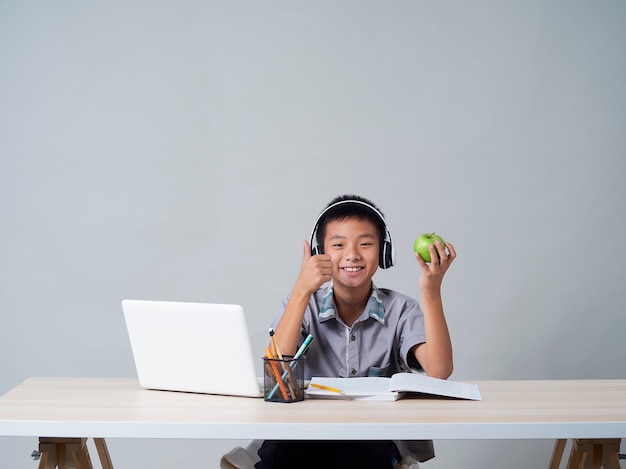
x=411 y=332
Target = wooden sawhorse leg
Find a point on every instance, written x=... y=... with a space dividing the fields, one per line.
x=71 y=453
x=599 y=453
x=557 y=454
x=103 y=453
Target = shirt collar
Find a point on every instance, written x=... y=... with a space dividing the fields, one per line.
x=375 y=304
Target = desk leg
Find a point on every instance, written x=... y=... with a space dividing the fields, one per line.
x=610 y=455
x=103 y=453
x=594 y=454
x=71 y=453
x=597 y=456
x=557 y=454
x=48 y=460
x=81 y=456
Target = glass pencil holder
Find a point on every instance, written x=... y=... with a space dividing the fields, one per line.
x=283 y=379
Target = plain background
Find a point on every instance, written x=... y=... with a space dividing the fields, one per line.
x=182 y=151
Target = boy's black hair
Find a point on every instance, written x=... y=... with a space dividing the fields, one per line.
x=347 y=210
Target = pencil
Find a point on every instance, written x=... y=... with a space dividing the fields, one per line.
x=327 y=388
x=275 y=344
x=279 y=380
x=291 y=382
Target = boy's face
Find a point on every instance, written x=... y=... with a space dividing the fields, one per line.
x=354 y=247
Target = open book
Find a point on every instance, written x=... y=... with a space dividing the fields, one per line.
x=389 y=389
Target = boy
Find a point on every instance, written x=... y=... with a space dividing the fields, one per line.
x=359 y=329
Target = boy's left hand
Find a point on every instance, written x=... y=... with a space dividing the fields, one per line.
x=433 y=272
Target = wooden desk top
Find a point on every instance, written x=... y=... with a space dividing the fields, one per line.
x=111 y=408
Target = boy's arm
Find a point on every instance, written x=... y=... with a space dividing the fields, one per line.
x=314 y=272
x=435 y=355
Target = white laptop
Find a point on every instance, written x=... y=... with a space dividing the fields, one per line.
x=192 y=347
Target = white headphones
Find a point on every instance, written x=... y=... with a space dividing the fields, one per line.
x=387 y=256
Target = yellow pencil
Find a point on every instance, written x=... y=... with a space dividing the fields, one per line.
x=326 y=388
x=274 y=345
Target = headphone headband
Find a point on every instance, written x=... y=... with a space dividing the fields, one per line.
x=387 y=256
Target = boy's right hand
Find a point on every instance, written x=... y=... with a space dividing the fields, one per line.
x=314 y=272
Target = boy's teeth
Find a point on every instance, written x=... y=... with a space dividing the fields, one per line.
x=352 y=269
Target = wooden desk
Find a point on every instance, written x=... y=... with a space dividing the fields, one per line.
x=119 y=408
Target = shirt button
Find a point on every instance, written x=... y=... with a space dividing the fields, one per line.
x=353 y=337
x=353 y=372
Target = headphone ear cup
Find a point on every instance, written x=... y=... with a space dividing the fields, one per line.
x=313 y=242
x=315 y=247
x=384 y=256
x=387 y=255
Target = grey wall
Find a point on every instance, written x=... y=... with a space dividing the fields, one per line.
x=182 y=150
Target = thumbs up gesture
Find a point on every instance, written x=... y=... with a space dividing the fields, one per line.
x=314 y=271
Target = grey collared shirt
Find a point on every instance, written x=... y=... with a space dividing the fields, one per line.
x=377 y=344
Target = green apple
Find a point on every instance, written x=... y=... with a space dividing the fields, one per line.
x=422 y=242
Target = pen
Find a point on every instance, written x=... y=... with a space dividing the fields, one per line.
x=303 y=348
x=326 y=388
